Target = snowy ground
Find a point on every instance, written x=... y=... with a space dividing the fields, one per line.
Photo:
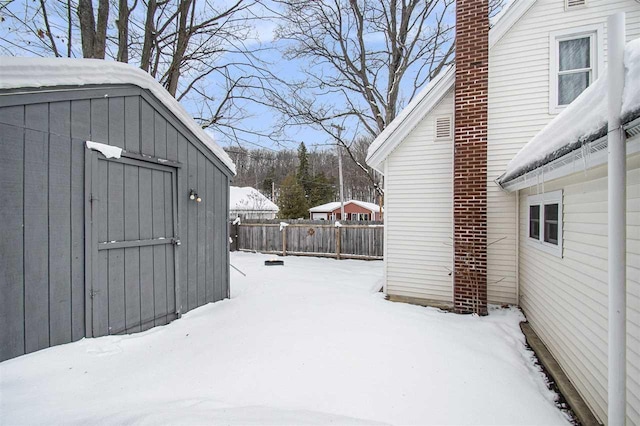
x=307 y=343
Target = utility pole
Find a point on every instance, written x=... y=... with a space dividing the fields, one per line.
x=339 y=130
x=341 y=184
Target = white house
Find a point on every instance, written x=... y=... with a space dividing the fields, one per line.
x=249 y=203
x=545 y=211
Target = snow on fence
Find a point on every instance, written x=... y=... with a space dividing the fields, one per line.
x=348 y=240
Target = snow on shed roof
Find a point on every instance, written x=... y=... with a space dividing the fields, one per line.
x=584 y=120
x=329 y=207
x=432 y=93
x=249 y=199
x=47 y=72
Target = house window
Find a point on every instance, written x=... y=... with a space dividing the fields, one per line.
x=545 y=222
x=574 y=64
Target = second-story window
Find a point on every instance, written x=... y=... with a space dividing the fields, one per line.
x=575 y=69
x=574 y=63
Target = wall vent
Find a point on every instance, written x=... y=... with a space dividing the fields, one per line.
x=444 y=129
x=574 y=4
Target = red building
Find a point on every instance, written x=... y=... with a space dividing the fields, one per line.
x=353 y=210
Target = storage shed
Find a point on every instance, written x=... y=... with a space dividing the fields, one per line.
x=91 y=245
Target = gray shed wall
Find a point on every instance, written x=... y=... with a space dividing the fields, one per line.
x=43 y=299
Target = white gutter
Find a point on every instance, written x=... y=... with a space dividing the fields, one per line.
x=617 y=225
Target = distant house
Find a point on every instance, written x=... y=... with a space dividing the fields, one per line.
x=496 y=183
x=248 y=203
x=113 y=204
x=353 y=210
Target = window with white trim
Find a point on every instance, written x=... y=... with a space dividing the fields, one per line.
x=574 y=64
x=544 y=230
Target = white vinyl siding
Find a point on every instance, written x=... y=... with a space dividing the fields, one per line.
x=519 y=90
x=565 y=299
x=418 y=212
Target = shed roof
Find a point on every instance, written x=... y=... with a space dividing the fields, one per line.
x=395 y=132
x=329 y=207
x=249 y=199
x=583 y=121
x=18 y=73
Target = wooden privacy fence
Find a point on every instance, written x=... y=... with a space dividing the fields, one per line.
x=351 y=240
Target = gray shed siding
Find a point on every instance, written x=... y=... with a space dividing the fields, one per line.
x=43 y=200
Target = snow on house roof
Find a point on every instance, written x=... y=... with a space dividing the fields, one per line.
x=583 y=121
x=329 y=207
x=48 y=72
x=438 y=87
x=249 y=199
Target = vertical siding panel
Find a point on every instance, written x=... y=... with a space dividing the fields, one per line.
x=159 y=251
x=169 y=232
x=147 y=128
x=219 y=255
x=100 y=283
x=60 y=223
x=36 y=232
x=202 y=235
x=146 y=253
x=11 y=216
x=210 y=202
x=132 y=254
x=172 y=143
x=226 y=292
x=160 y=127
x=115 y=229
x=116 y=122
x=100 y=120
x=183 y=205
x=192 y=230
x=80 y=131
x=132 y=123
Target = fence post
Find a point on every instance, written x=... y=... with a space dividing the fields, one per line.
x=284 y=240
x=236 y=230
x=338 y=241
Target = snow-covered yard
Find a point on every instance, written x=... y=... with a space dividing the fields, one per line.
x=307 y=343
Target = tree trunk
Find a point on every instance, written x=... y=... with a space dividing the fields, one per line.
x=87 y=27
x=149 y=31
x=93 y=38
x=181 y=47
x=123 y=31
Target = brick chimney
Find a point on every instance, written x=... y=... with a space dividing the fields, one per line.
x=470 y=157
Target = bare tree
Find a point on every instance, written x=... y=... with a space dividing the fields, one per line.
x=363 y=60
x=204 y=52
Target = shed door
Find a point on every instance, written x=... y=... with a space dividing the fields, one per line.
x=131 y=278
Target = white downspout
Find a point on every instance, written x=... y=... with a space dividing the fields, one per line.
x=617 y=225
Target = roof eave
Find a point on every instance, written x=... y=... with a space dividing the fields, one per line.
x=519 y=180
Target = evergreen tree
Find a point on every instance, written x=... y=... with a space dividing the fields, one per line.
x=322 y=191
x=303 y=176
x=292 y=200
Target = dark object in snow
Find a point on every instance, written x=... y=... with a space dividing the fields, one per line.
x=273 y=262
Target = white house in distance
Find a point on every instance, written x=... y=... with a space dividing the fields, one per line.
x=542 y=219
x=248 y=203
x=353 y=210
